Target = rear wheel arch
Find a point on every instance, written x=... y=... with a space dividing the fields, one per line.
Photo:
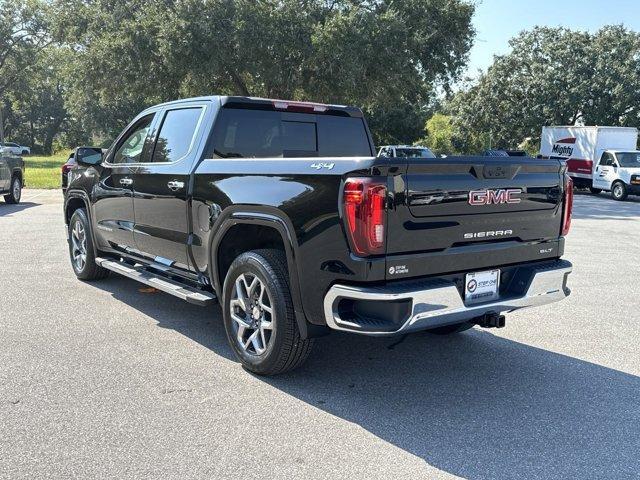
x=244 y=231
x=244 y=237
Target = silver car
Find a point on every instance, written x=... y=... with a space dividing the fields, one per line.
x=15 y=148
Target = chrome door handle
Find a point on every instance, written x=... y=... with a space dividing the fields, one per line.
x=126 y=181
x=175 y=185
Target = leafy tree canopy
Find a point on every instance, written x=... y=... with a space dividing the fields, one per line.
x=22 y=34
x=383 y=55
x=553 y=76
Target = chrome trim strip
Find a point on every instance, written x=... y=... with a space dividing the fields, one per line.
x=441 y=303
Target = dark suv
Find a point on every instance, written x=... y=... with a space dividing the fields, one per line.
x=11 y=175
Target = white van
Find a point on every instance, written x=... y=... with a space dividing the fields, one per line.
x=584 y=147
x=618 y=172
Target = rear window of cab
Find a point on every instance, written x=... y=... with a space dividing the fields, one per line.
x=246 y=133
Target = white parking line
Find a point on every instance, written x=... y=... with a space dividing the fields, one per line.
x=34 y=196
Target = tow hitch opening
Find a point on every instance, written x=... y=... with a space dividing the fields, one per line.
x=490 y=320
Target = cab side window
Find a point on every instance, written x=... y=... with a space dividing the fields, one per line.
x=132 y=146
x=606 y=159
x=176 y=135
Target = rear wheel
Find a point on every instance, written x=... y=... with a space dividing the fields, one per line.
x=15 y=193
x=258 y=314
x=619 y=191
x=450 y=329
x=81 y=251
x=594 y=190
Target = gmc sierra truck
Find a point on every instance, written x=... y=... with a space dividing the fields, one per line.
x=281 y=212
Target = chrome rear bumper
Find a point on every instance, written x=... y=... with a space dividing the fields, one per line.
x=435 y=302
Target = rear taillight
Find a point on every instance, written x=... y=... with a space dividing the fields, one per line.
x=568 y=205
x=66 y=167
x=365 y=215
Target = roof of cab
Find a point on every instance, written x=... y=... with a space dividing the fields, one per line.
x=266 y=103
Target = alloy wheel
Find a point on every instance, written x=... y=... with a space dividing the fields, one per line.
x=252 y=314
x=79 y=246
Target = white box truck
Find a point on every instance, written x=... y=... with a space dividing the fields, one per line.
x=583 y=147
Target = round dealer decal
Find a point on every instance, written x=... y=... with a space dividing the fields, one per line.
x=472 y=285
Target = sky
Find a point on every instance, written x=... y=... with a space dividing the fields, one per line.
x=496 y=21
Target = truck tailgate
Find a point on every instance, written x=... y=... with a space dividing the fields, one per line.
x=460 y=205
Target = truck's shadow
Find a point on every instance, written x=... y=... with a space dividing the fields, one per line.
x=7 y=209
x=475 y=404
x=604 y=207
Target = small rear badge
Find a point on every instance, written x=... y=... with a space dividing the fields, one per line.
x=320 y=165
x=398 y=269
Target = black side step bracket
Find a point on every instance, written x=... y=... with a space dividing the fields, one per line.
x=167 y=285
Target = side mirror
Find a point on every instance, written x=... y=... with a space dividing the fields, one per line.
x=88 y=156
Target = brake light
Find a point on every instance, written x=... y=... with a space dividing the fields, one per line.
x=568 y=205
x=365 y=215
x=299 y=106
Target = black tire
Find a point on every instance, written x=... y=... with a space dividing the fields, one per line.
x=15 y=191
x=451 y=329
x=595 y=191
x=619 y=191
x=88 y=269
x=283 y=350
x=25 y=152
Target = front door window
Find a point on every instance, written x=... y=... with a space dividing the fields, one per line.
x=132 y=147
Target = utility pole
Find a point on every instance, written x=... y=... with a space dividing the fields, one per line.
x=1 y=125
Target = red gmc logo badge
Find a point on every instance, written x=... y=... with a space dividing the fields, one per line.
x=494 y=197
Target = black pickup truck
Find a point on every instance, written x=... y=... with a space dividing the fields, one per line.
x=280 y=211
x=11 y=175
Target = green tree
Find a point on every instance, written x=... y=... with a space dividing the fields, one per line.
x=443 y=136
x=22 y=34
x=439 y=134
x=382 y=55
x=36 y=103
x=553 y=76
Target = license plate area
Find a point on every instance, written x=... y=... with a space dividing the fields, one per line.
x=480 y=287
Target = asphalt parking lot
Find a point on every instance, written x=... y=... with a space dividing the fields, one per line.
x=110 y=379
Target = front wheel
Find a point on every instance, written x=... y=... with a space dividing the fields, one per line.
x=619 y=191
x=15 y=193
x=258 y=314
x=81 y=251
